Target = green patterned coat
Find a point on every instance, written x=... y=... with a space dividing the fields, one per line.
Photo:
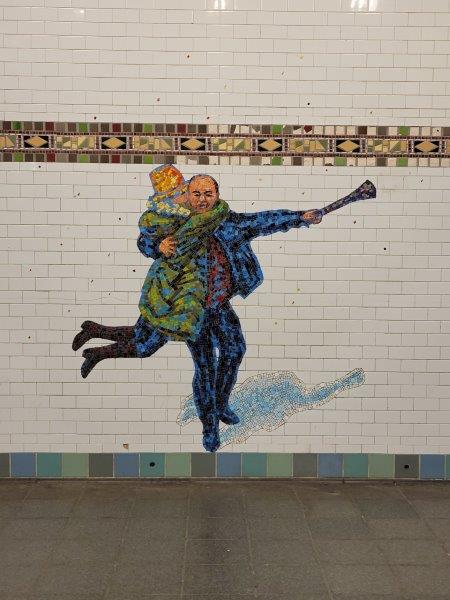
x=173 y=294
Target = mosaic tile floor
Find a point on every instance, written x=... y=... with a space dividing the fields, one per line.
x=224 y=540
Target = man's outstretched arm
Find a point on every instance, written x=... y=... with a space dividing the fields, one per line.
x=271 y=221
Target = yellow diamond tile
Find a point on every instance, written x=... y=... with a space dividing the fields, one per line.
x=270 y=145
x=348 y=146
x=426 y=146
x=36 y=141
x=193 y=144
x=113 y=143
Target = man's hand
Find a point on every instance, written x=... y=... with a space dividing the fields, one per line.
x=313 y=217
x=167 y=246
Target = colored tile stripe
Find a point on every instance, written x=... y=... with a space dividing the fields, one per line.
x=210 y=144
x=223 y=465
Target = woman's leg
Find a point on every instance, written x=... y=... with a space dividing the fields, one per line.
x=139 y=341
x=90 y=329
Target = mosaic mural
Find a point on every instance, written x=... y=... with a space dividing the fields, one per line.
x=202 y=258
x=178 y=143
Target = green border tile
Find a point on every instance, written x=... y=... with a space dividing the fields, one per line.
x=403 y=130
x=277 y=129
x=75 y=465
x=203 y=464
x=402 y=161
x=276 y=160
x=17 y=125
x=178 y=465
x=83 y=128
x=151 y=464
x=279 y=465
x=148 y=128
x=254 y=464
x=83 y=158
x=18 y=157
x=48 y=464
x=356 y=465
x=340 y=161
x=4 y=464
x=381 y=466
x=147 y=159
x=101 y=465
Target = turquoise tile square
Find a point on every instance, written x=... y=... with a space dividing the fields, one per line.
x=447 y=466
x=254 y=464
x=178 y=465
x=152 y=464
x=356 y=465
x=49 y=464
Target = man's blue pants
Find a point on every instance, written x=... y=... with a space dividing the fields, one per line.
x=217 y=354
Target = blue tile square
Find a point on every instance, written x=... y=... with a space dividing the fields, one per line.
x=330 y=465
x=229 y=464
x=126 y=465
x=23 y=464
x=432 y=466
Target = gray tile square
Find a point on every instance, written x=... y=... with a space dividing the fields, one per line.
x=4 y=465
x=407 y=466
x=305 y=465
x=203 y=465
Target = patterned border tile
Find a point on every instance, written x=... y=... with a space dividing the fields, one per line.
x=210 y=144
x=42 y=465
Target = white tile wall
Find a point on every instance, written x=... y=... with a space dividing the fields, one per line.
x=368 y=288
x=317 y=61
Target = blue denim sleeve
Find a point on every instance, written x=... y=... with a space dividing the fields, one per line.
x=270 y=221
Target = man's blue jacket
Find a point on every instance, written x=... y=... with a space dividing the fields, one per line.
x=234 y=235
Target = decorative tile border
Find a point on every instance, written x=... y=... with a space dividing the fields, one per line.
x=224 y=464
x=181 y=143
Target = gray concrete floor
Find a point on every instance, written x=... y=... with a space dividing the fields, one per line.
x=224 y=540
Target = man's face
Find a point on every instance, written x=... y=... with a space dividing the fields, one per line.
x=202 y=194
